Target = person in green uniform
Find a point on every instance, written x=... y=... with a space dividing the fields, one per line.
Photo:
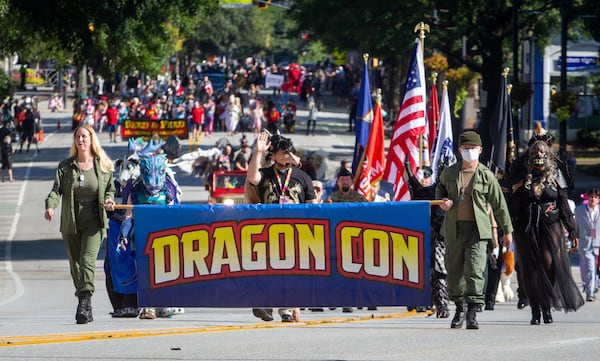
x=466 y=188
x=84 y=182
x=345 y=191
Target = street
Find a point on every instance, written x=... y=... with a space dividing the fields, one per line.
x=37 y=304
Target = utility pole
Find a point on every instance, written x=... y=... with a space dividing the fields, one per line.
x=564 y=16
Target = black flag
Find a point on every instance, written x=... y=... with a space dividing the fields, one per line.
x=501 y=131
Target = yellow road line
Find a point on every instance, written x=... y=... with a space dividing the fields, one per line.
x=113 y=335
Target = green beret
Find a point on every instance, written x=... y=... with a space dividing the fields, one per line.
x=469 y=137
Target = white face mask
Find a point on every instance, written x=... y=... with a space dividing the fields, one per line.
x=470 y=155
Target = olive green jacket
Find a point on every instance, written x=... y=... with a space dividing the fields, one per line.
x=64 y=183
x=486 y=190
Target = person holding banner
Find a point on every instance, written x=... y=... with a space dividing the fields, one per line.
x=84 y=182
x=283 y=182
x=422 y=187
x=466 y=188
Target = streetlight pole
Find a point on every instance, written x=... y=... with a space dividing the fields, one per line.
x=515 y=43
x=564 y=16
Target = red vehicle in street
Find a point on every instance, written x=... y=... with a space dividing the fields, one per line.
x=227 y=187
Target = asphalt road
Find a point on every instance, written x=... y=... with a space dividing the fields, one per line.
x=37 y=305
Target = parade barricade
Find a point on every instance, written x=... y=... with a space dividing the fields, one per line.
x=293 y=255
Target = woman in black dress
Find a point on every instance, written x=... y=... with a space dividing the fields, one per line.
x=540 y=211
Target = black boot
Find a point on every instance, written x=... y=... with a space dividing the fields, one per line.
x=535 y=315
x=547 y=315
x=84 y=308
x=472 y=323
x=459 y=316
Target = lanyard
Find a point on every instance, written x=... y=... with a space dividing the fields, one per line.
x=283 y=187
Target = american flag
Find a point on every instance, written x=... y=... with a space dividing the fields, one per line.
x=410 y=123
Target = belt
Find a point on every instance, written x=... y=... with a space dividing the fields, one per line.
x=86 y=201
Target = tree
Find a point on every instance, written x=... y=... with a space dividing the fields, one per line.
x=378 y=28
x=590 y=11
x=368 y=27
x=110 y=35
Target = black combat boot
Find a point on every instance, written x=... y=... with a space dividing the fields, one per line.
x=459 y=316
x=84 y=308
x=535 y=315
x=472 y=317
x=547 y=315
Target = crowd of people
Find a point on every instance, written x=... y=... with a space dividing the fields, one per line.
x=476 y=211
x=235 y=106
x=476 y=216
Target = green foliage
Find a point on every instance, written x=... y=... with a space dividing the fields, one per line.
x=520 y=93
x=6 y=85
x=314 y=53
x=109 y=35
x=595 y=83
x=590 y=138
x=564 y=104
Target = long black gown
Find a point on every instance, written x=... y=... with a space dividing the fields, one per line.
x=538 y=232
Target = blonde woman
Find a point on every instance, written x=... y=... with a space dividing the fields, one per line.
x=84 y=182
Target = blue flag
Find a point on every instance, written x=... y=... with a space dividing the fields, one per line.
x=364 y=118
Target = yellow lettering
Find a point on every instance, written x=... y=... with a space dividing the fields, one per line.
x=376 y=264
x=225 y=251
x=253 y=249
x=311 y=243
x=277 y=233
x=166 y=270
x=195 y=259
x=406 y=252
x=347 y=234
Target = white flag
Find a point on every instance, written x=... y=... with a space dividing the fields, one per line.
x=443 y=153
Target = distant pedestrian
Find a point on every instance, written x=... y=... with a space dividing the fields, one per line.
x=587 y=226
x=7 y=154
x=312 y=115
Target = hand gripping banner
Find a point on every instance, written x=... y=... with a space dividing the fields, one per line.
x=293 y=255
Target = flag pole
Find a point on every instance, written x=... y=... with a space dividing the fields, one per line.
x=434 y=77
x=421 y=28
x=512 y=149
x=123 y=206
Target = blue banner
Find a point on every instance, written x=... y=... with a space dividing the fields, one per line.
x=298 y=255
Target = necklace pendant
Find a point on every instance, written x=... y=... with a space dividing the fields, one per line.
x=81 y=178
